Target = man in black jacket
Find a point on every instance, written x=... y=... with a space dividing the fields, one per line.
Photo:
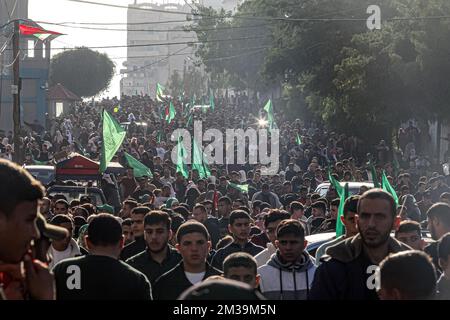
x=200 y=214
x=439 y=225
x=348 y=268
x=159 y=257
x=193 y=245
x=239 y=227
x=100 y=275
x=138 y=245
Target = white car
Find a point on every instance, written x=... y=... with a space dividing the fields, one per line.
x=353 y=187
x=316 y=240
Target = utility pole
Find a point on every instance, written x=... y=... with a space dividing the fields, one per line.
x=15 y=88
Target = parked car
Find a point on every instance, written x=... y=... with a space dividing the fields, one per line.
x=353 y=187
x=316 y=240
x=45 y=174
x=76 y=192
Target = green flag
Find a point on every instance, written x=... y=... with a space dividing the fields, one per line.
x=241 y=187
x=211 y=100
x=41 y=163
x=181 y=166
x=298 y=140
x=337 y=186
x=158 y=136
x=139 y=169
x=170 y=113
x=198 y=162
x=159 y=93
x=342 y=198
x=189 y=121
x=112 y=137
x=386 y=186
x=373 y=172
x=396 y=165
x=270 y=118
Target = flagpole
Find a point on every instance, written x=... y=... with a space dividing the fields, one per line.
x=15 y=88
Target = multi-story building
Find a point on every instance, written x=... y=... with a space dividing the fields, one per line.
x=148 y=62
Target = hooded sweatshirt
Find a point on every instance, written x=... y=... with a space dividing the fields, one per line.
x=73 y=250
x=287 y=281
x=264 y=256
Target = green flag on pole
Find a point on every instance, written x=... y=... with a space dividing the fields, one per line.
x=211 y=100
x=342 y=198
x=270 y=118
x=298 y=140
x=189 y=121
x=373 y=172
x=198 y=161
x=112 y=137
x=159 y=92
x=337 y=186
x=241 y=187
x=139 y=169
x=181 y=153
x=386 y=186
x=159 y=136
x=170 y=113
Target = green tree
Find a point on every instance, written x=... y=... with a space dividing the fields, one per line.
x=83 y=71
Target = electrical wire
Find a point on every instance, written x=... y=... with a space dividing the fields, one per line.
x=151 y=30
x=167 y=43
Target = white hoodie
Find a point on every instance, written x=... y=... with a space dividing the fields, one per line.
x=72 y=250
x=263 y=257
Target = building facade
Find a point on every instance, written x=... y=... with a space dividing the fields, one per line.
x=149 y=63
x=34 y=70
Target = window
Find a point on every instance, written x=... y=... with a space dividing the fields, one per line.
x=59 y=107
x=43 y=50
x=30 y=48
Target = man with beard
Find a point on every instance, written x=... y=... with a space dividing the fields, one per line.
x=439 y=225
x=159 y=257
x=347 y=270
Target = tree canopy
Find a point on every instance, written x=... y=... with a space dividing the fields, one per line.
x=358 y=80
x=83 y=71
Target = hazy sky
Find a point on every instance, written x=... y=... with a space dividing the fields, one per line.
x=67 y=11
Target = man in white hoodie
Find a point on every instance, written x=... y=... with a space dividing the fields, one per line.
x=290 y=271
x=66 y=248
x=271 y=222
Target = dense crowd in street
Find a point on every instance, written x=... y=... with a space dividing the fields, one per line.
x=166 y=236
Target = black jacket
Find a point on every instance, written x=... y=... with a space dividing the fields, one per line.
x=432 y=251
x=443 y=288
x=174 y=282
x=219 y=257
x=100 y=278
x=346 y=272
x=212 y=225
x=132 y=249
x=153 y=270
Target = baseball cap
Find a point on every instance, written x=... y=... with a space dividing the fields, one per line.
x=105 y=208
x=50 y=231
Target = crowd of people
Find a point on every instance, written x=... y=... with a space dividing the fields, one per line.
x=165 y=236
